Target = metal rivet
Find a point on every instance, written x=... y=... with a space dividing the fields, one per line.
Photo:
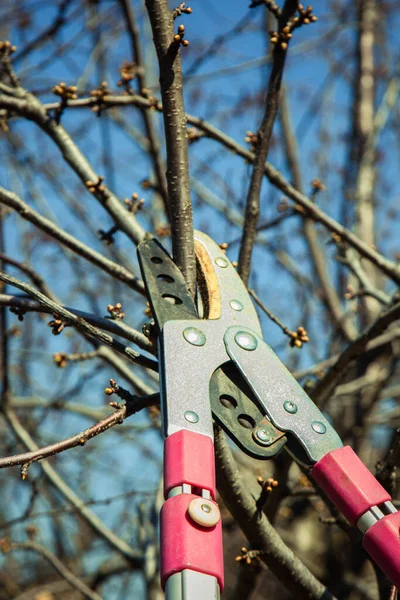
x=236 y=305
x=194 y=336
x=221 y=262
x=318 y=427
x=262 y=436
x=191 y=416
x=290 y=407
x=204 y=513
x=246 y=341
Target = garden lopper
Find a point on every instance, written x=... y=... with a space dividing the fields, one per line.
x=215 y=365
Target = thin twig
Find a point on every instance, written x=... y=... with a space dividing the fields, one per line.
x=10 y=199
x=134 y=405
x=84 y=511
x=264 y=136
x=26 y=304
x=80 y=323
x=271 y=315
x=65 y=573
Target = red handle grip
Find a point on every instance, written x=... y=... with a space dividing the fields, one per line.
x=185 y=544
x=354 y=490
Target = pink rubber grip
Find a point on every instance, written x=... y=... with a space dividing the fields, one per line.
x=187 y=545
x=348 y=483
x=189 y=458
x=382 y=543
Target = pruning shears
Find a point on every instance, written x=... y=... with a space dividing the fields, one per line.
x=215 y=365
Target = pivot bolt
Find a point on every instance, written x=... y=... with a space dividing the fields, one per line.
x=246 y=341
x=262 y=436
x=290 y=407
x=194 y=336
x=204 y=513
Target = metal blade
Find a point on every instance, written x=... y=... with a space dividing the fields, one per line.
x=169 y=297
x=235 y=409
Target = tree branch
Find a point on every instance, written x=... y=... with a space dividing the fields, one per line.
x=262 y=536
x=90 y=517
x=325 y=386
x=180 y=206
x=80 y=323
x=137 y=55
x=28 y=106
x=131 y=407
x=61 y=569
x=26 y=304
x=264 y=136
x=11 y=200
x=329 y=295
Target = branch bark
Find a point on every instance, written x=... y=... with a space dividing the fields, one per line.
x=117 y=417
x=84 y=511
x=148 y=117
x=364 y=112
x=80 y=323
x=264 y=136
x=11 y=200
x=61 y=569
x=180 y=206
x=263 y=537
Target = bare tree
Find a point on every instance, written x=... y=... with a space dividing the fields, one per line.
x=274 y=129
